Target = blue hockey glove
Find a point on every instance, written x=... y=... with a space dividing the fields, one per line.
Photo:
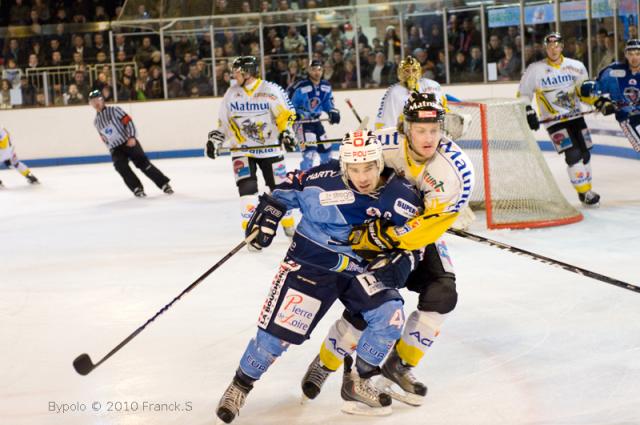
x=393 y=268
x=265 y=218
x=334 y=116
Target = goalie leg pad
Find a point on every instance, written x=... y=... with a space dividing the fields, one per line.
x=341 y=341
x=261 y=352
x=384 y=327
x=419 y=334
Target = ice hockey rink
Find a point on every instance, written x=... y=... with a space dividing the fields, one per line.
x=84 y=263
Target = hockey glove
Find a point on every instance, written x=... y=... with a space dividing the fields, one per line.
x=214 y=143
x=532 y=118
x=334 y=116
x=605 y=106
x=369 y=239
x=288 y=140
x=265 y=218
x=392 y=269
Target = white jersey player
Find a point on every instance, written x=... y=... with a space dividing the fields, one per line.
x=445 y=177
x=409 y=76
x=255 y=119
x=10 y=159
x=555 y=83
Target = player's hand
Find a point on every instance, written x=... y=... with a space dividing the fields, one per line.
x=131 y=142
x=393 y=268
x=334 y=116
x=464 y=220
x=605 y=106
x=214 y=143
x=532 y=118
x=265 y=219
x=288 y=140
x=369 y=239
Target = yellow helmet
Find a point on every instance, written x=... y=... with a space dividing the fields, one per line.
x=409 y=72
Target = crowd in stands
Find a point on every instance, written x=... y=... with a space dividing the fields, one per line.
x=80 y=62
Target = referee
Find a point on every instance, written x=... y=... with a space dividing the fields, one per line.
x=118 y=132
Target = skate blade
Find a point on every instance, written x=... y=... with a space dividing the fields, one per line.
x=357 y=408
x=304 y=399
x=387 y=386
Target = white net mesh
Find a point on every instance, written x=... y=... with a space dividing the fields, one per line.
x=522 y=191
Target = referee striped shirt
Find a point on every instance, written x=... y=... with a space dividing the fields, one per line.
x=115 y=126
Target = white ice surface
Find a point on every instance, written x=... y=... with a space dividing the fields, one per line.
x=83 y=264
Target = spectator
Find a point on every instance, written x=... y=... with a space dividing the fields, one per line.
x=99 y=44
x=126 y=90
x=41 y=100
x=204 y=46
x=54 y=46
x=56 y=94
x=36 y=49
x=169 y=65
x=33 y=61
x=184 y=64
x=5 y=94
x=101 y=58
x=495 y=51
x=121 y=56
x=376 y=45
x=196 y=78
x=510 y=38
x=140 y=87
x=142 y=12
x=332 y=38
x=12 y=73
x=225 y=82
x=43 y=10
x=278 y=48
x=101 y=81
x=56 y=59
x=174 y=86
x=609 y=55
x=34 y=19
x=459 y=66
x=183 y=45
x=350 y=75
x=143 y=75
x=328 y=71
x=80 y=7
x=337 y=60
x=121 y=45
x=143 y=54
x=80 y=83
x=475 y=64
x=18 y=13
x=269 y=69
x=101 y=14
x=129 y=72
x=15 y=52
x=381 y=73
x=509 y=66
x=415 y=40
x=362 y=39
x=73 y=96
x=291 y=75
x=392 y=44
x=61 y=16
x=316 y=36
x=154 y=88
x=467 y=37
x=293 y=41
x=441 y=72
x=78 y=46
x=28 y=92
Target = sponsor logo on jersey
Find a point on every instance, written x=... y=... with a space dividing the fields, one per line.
x=466 y=175
x=388 y=139
x=314 y=102
x=409 y=226
x=265 y=95
x=297 y=311
x=322 y=174
x=325 y=88
x=337 y=197
x=249 y=106
x=280 y=171
x=632 y=94
x=556 y=80
x=437 y=185
x=405 y=208
x=274 y=292
x=632 y=81
x=618 y=73
x=241 y=169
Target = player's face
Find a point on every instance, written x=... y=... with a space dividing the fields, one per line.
x=237 y=75
x=315 y=73
x=554 y=50
x=633 y=57
x=425 y=138
x=364 y=176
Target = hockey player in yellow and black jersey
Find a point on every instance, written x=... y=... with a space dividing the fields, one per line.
x=444 y=175
x=256 y=115
x=10 y=159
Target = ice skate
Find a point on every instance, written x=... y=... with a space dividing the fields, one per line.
x=589 y=199
x=313 y=380
x=232 y=401
x=360 y=395
x=32 y=179
x=167 y=189
x=139 y=192
x=399 y=382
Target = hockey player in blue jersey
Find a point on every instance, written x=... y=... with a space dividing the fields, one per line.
x=311 y=97
x=320 y=267
x=618 y=86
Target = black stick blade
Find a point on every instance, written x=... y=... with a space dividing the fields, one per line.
x=83 y=364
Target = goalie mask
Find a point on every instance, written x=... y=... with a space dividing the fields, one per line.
x=409 y=72
x=359 y=147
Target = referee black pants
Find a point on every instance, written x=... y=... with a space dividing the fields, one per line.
x=121 y=156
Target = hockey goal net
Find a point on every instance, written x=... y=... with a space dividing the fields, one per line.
x=513 y=182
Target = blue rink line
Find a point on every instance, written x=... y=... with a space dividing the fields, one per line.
x=606 y=150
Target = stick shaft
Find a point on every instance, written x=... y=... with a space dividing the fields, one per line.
x=546 y=260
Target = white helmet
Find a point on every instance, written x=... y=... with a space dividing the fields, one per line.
x=358 y=147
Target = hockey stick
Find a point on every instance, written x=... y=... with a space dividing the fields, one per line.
x=567 y=116
x=546 y=260
x=353 y=110
x=83 y=364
